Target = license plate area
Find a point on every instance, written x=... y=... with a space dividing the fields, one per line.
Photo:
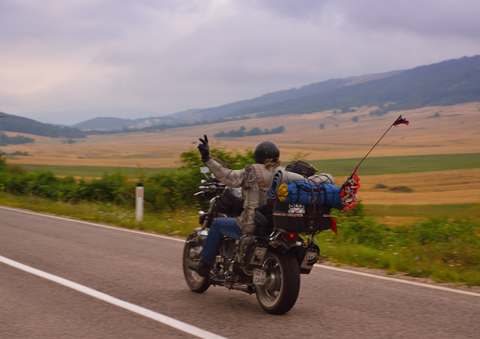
x=310 y=259
x=259 y=276
x=258 y=255
x=296 y=208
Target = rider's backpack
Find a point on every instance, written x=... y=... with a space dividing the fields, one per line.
x=302 y=168
x=229 y=204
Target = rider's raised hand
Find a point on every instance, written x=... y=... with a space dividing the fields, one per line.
x=204 y=149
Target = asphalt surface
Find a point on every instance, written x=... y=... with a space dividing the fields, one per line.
x=145 y=270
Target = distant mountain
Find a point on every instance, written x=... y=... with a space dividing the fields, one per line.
x=111 y=124
x=255 y=105
x=442 y=84
x=446 y=83
x=13 y=123
x=275 y=97
x=103 y=124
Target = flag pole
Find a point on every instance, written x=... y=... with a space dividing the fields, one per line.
x=378 y=141
x=399 y=120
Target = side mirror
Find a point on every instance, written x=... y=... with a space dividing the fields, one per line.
x=205 y=170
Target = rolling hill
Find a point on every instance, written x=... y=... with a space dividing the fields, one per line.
x=446 y=83
x=110 y=124
x=442 y=84
x=14 y=123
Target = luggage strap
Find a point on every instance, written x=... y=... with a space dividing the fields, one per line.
x=258 y=172
x=315 y=187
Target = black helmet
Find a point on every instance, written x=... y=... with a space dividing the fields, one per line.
x=266 y=150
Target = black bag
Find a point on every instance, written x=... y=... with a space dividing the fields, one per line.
x=229 y=204
x=301 y=168
x=263 y=217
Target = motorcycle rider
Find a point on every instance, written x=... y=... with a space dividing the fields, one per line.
x=254 y=180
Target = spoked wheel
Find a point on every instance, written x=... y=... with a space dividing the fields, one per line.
x=195 y=282
x=280 y=291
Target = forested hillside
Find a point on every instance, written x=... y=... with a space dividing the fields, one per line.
x=110 y=124
x=446 y=83
x=267 y=99
x=13 y=123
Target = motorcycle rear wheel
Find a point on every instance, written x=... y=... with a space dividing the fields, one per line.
x=196 y=283
x=280 y=292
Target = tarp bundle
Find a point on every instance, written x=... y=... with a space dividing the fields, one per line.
x=310 y=193
x=279 y=178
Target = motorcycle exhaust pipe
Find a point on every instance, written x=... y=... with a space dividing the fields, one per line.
x=249 y=288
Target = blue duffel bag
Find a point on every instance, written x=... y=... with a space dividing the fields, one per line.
x=307 y=193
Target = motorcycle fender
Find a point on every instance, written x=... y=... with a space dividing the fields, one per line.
x=284 y=247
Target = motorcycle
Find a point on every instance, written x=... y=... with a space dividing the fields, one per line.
x=269 y=263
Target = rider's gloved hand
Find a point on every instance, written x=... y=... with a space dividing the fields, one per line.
x=204 y=149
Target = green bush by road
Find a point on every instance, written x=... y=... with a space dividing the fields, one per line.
x=445 y=250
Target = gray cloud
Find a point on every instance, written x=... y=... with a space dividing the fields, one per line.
x=441 y=17
x=299 y=9
x=422 y=16
x=126 y=58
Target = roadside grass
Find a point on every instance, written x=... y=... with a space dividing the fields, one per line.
x=179 y=223
x=445 y=250
x=93 y=171
x=415 y=262
x=397 y=165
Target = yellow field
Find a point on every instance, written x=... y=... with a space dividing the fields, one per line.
x=456 y=131
x=429 y=188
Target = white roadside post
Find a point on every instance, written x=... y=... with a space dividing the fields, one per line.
x=139 y=202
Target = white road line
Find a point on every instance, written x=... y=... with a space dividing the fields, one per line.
x=117 y=228
x=316 y=265
x=114 y=301
x=397 y=280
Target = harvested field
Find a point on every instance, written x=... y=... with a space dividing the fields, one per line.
x=429 y=188
x=435 y=194
x=454 y=131
x=406 y=214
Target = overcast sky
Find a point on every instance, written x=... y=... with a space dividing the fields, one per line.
x=68 y=61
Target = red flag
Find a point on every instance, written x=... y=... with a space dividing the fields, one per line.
x=400 y=121
x=349 y=192
x=333 y=225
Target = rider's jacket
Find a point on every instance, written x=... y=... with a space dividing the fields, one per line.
x=253 y=190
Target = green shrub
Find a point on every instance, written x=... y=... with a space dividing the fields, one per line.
x=402 y=189
x=163 y=191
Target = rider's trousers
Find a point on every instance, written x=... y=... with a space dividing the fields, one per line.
x=220 y=227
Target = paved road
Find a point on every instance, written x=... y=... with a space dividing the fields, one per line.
x=145 y=270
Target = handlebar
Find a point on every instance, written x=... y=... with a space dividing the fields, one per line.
x=212 y=185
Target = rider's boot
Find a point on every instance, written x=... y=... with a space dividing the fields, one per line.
x=201 y=267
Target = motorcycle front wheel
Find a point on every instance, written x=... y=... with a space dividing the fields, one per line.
x=280 y=291
x=196 y=283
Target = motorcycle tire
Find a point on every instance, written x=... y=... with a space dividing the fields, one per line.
x=280 y=292
x=196 y=283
